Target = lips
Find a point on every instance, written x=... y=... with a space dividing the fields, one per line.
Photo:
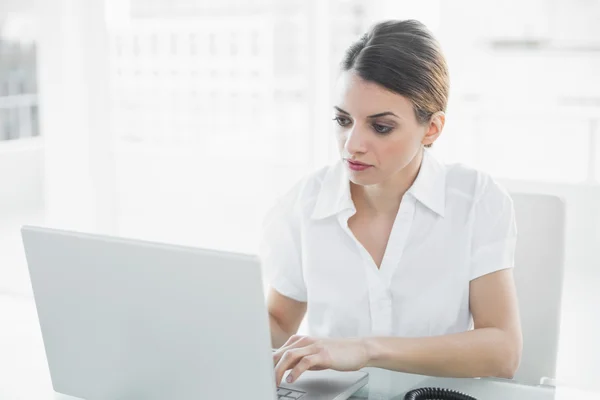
x=358 y=163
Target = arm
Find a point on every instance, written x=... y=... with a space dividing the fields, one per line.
x=285 y=316
x=493 y=348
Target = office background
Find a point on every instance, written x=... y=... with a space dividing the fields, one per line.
x=183 y=120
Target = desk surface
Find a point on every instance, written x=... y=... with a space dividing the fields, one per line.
x=24 y=373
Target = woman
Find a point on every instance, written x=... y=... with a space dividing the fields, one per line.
x=397 y=260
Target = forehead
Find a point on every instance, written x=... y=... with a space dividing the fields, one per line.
x=362 y=98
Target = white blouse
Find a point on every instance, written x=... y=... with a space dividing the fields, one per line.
x=454 y=225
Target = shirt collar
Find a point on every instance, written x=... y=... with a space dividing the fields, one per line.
x=429 y=188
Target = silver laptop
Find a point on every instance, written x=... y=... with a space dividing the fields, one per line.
x=125 y=319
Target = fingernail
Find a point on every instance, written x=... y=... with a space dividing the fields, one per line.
x=289 y=379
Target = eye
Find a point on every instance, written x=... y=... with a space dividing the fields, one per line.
x=382 y=129
x=342 y=121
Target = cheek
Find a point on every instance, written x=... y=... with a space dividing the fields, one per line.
x=397 y=152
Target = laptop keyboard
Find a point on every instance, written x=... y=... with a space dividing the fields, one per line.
x=288 y=394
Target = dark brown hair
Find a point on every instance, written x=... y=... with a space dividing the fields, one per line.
x=405 y=58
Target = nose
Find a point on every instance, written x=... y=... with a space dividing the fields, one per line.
x=355 y=141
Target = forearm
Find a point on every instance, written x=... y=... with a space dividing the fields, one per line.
x=278 y=335
x=476 y=353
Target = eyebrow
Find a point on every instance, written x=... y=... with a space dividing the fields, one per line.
x=383 y=114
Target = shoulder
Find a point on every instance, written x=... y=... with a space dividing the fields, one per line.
x=475 y=186
x=482 y=201
x=299 y=200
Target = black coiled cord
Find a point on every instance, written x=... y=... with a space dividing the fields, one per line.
x=436 y=394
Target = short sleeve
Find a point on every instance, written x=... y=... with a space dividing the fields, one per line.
x=494 y=234
x=280 y=249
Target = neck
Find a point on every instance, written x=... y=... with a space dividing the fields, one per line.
x=384 y=198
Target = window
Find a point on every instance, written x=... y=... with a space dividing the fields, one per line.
x=213 y=115
x=18 y=100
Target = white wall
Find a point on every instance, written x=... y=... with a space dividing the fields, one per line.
x=73 y=86
x=7 y=6
x=21 y=202
x=21 y=175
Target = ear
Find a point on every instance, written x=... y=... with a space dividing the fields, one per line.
x=434 y=128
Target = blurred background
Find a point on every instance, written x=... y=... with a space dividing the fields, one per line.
x=183 y=120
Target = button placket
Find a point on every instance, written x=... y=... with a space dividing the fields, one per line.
x=398 y=239
x=378 y=280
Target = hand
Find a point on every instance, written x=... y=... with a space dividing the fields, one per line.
x=302 y=353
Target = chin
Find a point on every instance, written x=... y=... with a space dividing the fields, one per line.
x=363 y=180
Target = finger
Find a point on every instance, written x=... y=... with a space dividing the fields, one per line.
x=293 y=339
x=293 y=342
x=289 y=360
x=314 y=361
